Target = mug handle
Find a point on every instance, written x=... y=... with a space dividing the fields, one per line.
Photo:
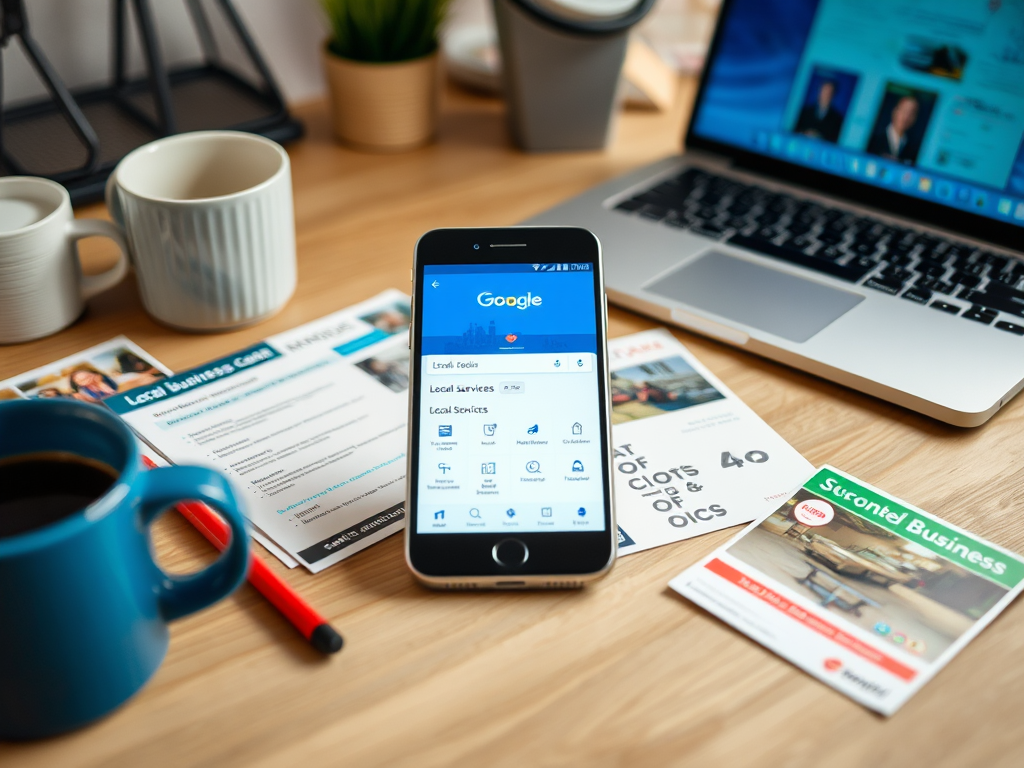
x=166 y=486
x=93 y=284
x=112 y=200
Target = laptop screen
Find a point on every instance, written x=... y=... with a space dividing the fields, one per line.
x=924 y=98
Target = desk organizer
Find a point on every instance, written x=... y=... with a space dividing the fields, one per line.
x=561 y=61
x=76 y=138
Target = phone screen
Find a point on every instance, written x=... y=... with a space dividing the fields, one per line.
x=509 y=416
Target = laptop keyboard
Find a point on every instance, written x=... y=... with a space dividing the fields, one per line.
x=912 y=265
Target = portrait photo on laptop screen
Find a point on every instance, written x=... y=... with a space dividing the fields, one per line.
x=919 y=97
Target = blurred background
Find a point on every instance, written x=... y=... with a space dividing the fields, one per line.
x=76 y=37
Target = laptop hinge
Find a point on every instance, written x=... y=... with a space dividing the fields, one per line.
x=706 y=157
x=745 y=175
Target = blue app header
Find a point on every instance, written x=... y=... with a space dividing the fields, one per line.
x=487 y=312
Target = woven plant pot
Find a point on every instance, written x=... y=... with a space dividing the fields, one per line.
x=383 y=107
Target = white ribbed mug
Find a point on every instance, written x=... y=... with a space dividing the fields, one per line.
x=210 y=227
x=42 y=289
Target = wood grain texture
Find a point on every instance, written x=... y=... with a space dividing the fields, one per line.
x=622 y=673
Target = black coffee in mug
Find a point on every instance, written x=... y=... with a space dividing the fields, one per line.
x=39 y=489
x=83 y=605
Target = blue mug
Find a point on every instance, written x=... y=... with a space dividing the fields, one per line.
x=83 y=607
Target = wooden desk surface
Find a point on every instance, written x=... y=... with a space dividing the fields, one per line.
x=622 y=673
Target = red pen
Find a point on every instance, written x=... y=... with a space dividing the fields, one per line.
x=314 y=627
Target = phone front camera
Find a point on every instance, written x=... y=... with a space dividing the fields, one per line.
x=476 y=246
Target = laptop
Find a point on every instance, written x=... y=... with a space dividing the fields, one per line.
x=850 y=200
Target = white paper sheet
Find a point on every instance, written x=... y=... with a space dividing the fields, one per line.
x=690 y=456
x=121 y=366
x=309 y=426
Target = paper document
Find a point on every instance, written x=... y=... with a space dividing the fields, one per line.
x=865 y=592
x=309 y=425
x=690 y=457
x=93 y=374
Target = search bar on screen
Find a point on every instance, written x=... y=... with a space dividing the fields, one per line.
x=483 y=365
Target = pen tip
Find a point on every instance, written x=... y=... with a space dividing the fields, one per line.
x=325 y=639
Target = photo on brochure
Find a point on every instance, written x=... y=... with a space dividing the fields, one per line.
x=657 y=387
x=901 y=123
x=97 y=374
x=390 y=320
x=826 y=104
x=389 y=366
x=905 y=594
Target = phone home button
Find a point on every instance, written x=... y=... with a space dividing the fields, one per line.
x=510 y=553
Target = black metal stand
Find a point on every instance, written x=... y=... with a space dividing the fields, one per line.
x=77 y=139
x=15 y=24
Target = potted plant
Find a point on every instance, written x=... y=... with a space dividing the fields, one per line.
x=382 y=71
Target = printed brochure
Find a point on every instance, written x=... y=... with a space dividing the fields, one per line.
x=690 y=457
x=865 y=592
x=92 y=374
x=309 y=425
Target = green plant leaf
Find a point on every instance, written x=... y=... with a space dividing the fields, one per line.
x=384 y=30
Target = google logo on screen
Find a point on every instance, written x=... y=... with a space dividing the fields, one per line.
x=488 y=299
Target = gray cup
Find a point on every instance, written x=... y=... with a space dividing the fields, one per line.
x=561 y=61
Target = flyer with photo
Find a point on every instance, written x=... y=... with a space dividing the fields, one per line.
x=865 y=592
x=689 y=456
x=309 y=425
x=93 y=374
x=115 y=366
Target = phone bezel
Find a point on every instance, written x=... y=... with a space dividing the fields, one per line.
x=450 y=558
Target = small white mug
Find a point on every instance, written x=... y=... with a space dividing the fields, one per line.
x=42 y=289
x=209 y=221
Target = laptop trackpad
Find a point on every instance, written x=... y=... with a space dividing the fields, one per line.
x=761 y=297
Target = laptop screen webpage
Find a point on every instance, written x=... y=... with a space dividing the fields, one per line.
x=921 y=97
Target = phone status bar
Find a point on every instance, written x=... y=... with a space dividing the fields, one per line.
x=561 y=266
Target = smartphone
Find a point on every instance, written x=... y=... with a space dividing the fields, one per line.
x=509 y=461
